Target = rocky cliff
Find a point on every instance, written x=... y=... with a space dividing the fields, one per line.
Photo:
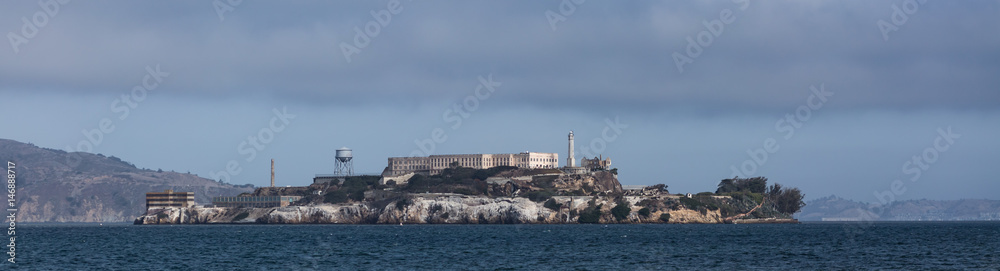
x=432 y=209
x=56 y=186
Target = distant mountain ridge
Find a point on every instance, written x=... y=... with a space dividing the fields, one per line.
x=56 y=186
x=833 y=208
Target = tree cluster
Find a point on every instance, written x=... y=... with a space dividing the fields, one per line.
x=621 y=210
x=787 y=200
x=752 y=185
x=354 y=188
x=591 y=214
x=462 y=180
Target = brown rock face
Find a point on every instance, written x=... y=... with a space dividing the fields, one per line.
x=599 y=182
x=588 y=183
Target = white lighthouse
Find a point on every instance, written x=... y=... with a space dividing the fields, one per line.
x=571 y=162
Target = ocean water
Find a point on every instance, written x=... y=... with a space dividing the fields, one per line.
x=902 y=246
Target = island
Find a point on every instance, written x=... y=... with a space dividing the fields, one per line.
x=496 y=195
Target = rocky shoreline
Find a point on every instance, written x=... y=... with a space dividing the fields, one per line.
x=442 y=209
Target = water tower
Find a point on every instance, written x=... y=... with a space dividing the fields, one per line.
x=345 y=165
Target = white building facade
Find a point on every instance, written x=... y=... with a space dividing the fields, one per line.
x=434 y=164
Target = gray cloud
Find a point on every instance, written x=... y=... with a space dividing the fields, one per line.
x=607 y=54
x=606 y=59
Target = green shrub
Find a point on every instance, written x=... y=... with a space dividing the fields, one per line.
x=358 y=195
x=691 y=203
x=551 y=204
x=644 y=212
x=735 y=195
x=727 y=210
x=338 y=196
x=362 y=181
x=621 y=210
x=665 y=217
x=460 y=180
x=591 y=215
x=753 y=185
x=482 y=174
x=402 y=203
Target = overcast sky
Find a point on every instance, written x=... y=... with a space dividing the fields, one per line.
x=840 y=95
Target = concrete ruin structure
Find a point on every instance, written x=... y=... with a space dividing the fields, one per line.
x=169 y=198
x=595 y=164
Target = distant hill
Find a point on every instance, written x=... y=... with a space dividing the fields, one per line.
x=56 y=186
x=833 y=208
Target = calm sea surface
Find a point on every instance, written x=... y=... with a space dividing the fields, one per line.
x=905 y=246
